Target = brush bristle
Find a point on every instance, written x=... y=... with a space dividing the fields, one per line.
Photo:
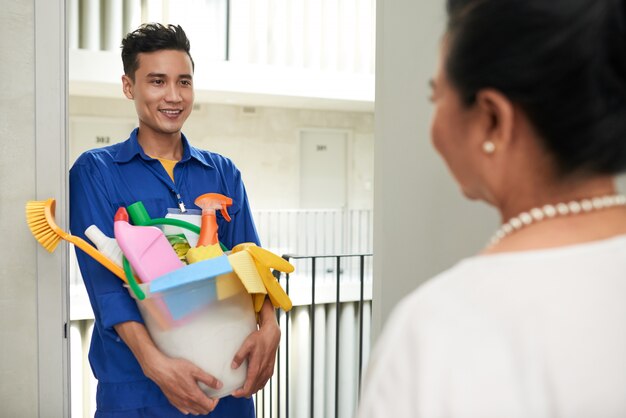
x=38 y=213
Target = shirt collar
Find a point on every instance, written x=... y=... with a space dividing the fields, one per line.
x=130 y=148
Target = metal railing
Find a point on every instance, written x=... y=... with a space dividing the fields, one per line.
x=319 y=366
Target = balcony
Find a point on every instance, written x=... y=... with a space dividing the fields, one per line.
x=281 y=53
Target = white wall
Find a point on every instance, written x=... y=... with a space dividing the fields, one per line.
x=263 y=143
x=18 y=302
x=422 y=224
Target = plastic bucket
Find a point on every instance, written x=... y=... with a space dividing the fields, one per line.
x=209 y=335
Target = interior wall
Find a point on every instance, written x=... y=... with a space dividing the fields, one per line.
x=422 y=224
x=18 y=273
x=262 y=141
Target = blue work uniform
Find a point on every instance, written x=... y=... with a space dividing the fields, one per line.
x=101 y=181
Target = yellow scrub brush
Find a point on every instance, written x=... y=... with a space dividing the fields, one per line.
x=40 y=219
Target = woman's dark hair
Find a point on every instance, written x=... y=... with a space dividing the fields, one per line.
x=151 y=37
x=563 y=62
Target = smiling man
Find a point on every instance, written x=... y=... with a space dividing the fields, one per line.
x=158 y=166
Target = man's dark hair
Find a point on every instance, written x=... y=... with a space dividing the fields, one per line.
x=562 y=61
x=151 y=37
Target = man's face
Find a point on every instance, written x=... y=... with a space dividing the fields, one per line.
x=162 y=91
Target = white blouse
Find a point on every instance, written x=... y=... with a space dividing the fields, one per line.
x=527 y=334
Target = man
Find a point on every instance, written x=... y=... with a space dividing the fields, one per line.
x=156 y=165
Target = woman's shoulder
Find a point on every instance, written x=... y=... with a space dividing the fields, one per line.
x=438 y=298
x=443 y=285
x=501 y=283
x=470 y=288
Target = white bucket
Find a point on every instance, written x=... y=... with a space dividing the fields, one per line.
x=209 y=337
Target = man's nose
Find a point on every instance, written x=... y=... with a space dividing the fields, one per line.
x=173 y=93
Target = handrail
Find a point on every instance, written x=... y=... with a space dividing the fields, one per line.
x=313 y=258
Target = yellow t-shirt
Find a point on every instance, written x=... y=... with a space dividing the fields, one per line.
x=168 y=165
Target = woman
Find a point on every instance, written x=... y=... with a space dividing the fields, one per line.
x=530 y=117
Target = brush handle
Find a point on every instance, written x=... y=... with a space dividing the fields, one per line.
x=97 y=255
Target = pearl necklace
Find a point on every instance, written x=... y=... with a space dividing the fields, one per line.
x=560 y=209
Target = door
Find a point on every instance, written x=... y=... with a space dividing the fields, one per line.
x=323 y=173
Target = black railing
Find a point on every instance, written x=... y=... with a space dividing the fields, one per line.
x=344 y=266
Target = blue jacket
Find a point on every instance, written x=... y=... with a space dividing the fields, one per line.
x=102 y=180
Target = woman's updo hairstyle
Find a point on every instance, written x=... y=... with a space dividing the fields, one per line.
x=563 y=62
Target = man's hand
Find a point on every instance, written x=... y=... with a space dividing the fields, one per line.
x=177 y=378
x=260 y=350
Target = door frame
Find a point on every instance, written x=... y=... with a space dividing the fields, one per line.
x=51 y=91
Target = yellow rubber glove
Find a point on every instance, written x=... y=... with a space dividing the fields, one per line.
x=264 y=261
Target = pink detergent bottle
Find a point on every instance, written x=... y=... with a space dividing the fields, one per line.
x=145 y=247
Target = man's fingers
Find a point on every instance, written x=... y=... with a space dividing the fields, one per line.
x=180 y=381
x=207 y=379
x=242 y=354
x=252 y=377
x=201 y=405
x=214 y=403
x=194 y=400
x=239 y=393
x=245 y=391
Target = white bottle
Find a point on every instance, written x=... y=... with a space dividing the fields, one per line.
x=106 y=245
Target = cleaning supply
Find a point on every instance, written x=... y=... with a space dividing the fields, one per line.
x=245 y=268
x=139 y=216
x=209 y=337
x=178 y=232
x=146 y=248
x=188 y=290
x=264 y=262
x=193 y=216
x=180 y=245
x=203 y=253
x=209 y=203
x=208 y=245
x=40 y=219
x=132 y=282
x=106 y=245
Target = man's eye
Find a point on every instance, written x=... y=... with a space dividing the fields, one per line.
x=157 y=82
x=186 y=82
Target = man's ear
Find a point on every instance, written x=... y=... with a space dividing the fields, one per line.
x=127 y=87
x=498 y=115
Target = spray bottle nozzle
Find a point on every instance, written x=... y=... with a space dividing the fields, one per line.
x=210 y=202
x=224 y=212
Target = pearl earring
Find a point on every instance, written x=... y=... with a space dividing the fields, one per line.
x=489 y=147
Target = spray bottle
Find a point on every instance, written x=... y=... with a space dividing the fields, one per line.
x=145 y=247
x=208 y=243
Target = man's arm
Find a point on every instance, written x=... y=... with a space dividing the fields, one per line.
x=260 y=349
x=177 y=378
